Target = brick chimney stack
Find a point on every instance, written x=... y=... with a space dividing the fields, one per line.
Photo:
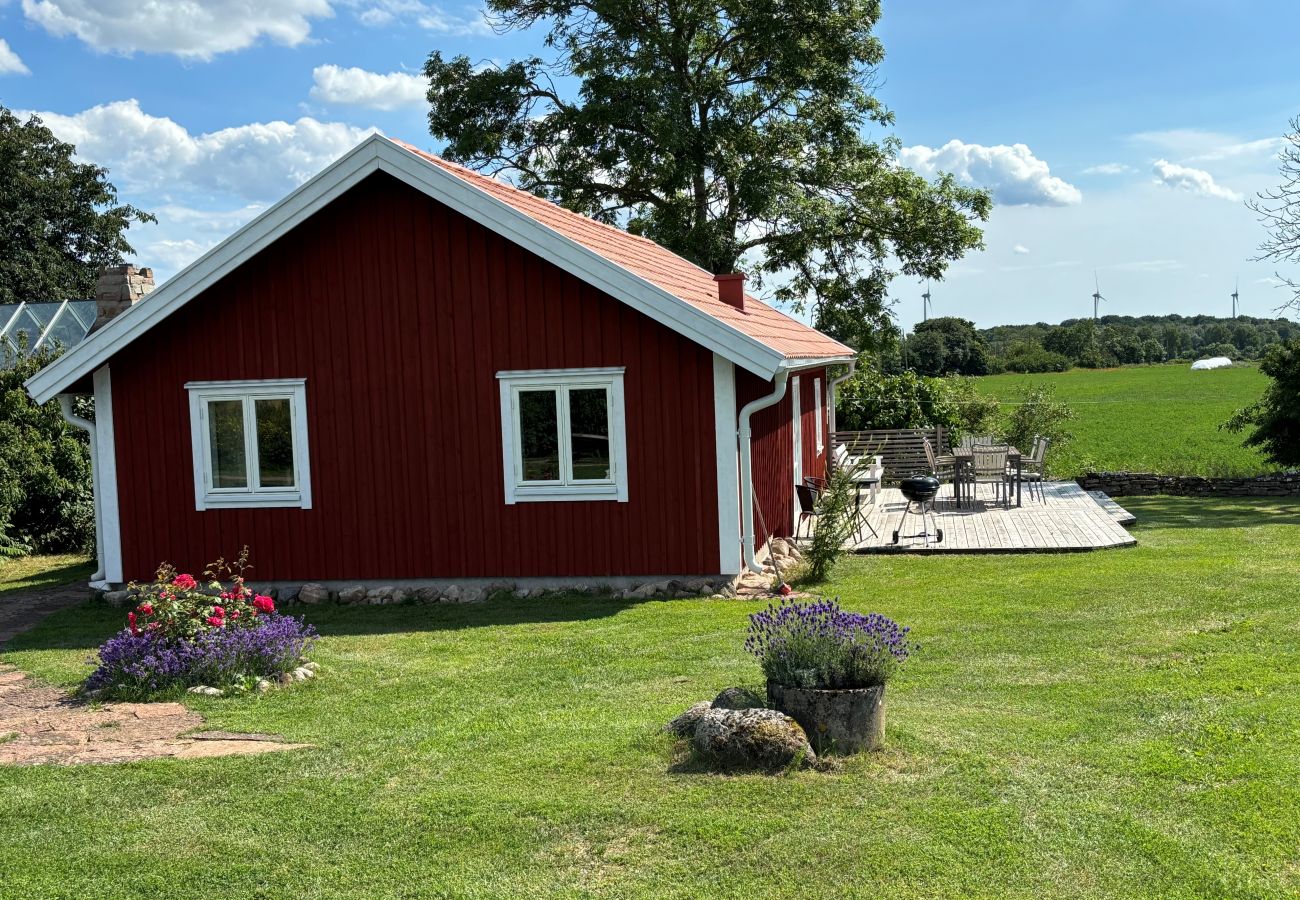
x=117 y=289
x=731 y=290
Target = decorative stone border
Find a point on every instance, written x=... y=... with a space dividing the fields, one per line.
x=1128 y=484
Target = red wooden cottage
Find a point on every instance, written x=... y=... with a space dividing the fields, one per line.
x=408 y=370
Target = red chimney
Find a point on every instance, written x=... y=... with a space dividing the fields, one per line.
x=731 y=290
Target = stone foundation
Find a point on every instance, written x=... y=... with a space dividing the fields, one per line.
x=1130 y=484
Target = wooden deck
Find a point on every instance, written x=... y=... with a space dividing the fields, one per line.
x=1068 y=520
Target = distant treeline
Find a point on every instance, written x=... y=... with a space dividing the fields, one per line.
x=953 y=346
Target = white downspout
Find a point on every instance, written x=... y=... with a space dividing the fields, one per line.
x=746 y=435
x=831 y=389
x=65 y=406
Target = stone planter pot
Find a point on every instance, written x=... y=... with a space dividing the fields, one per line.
x=836 y=721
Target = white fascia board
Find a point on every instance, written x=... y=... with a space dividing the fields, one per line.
x=377 y=153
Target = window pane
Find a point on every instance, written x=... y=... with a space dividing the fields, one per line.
x=589 y=432
x=274 y=443
x=226 y=435
x=539 y=435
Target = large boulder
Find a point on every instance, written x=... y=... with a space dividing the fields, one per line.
x=752 y=739
x=739 y=698
x=313 y=594
x=353 y=594
x=684 y=725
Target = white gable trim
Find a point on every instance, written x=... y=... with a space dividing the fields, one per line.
x=377 y=153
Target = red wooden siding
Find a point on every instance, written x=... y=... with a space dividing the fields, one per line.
x=399 y=313
x=773 y=448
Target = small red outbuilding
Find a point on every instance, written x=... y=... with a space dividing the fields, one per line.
x=408 y=370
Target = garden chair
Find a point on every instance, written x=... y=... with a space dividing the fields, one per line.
x=942 y=467
x=1031 y=467
x=989 y=466
x=807 y=494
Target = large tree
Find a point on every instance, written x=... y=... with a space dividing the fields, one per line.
x=59 y=219
x=1279 y=212
x=1274 y=419
x=734 y=132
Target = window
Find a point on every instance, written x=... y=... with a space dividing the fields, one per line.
x=817 y=413
x=563 y=435
x=250 y=443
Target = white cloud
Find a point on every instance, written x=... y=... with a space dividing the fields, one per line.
x=1194 y=181
x=1108 y=169
x=1012 y=173
x=429 y=16
x=357 y=87
x=181 y=27
x=1020 y=249
x=258 y=162
x=10 y=64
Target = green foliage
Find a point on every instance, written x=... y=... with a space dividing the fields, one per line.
x=59 y=220
x=947 y=346
x=870 y=400
x=1275 y=417
x=1032 y=357
x=835 y=520
x=1130 y=340
x=731 y=134
x=1039 y=414
x=46 y=502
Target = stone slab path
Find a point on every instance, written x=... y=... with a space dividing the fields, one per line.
x=40 y=724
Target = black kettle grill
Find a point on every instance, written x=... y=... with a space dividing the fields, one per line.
x=920 y=490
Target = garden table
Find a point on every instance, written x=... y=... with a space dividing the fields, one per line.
x=965 y=459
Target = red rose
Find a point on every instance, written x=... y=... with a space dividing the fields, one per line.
x=216 y=621
x=219 y=612
x=263 y=604
x=185 y=582
x=130 y=620
x=146 y=609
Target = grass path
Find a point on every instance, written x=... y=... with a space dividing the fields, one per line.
x=1149 y=418
x=1113 y=724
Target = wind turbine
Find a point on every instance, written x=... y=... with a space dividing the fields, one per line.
x=1096 y=295
x=1235 y=297
x=925 y=303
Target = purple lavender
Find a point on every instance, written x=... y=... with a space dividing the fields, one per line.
x=819 y=645
x=135 y=666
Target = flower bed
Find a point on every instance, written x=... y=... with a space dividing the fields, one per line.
x=182 y=634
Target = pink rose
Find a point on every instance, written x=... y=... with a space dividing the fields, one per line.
x=263 y=604
x=216 y=621
x=185 y=582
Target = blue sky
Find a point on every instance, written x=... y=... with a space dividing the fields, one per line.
x=1121 y=137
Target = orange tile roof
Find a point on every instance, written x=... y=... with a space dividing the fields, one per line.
x=657 y=265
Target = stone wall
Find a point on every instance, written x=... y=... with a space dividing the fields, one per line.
x=1128 y=484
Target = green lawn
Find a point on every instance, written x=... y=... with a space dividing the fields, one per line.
x=1149 y=418
x=1112 y=724
x=30 y=572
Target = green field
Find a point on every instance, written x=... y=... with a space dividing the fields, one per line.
x=1148 y=418
x=1112 y=724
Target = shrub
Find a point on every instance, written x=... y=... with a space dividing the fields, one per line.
x=1038 y=414
x=871 y=400
x=1275 y=417
x=816 y=644
x=835 y=519
x=46 y=504
x=137 y=665
x=182 y=634
x=1033 y=359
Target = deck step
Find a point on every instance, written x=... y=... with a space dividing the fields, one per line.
x=1113 y=509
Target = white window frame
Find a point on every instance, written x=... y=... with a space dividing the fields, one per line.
x=248 y=392
x=817 y=411
x=511 y=383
